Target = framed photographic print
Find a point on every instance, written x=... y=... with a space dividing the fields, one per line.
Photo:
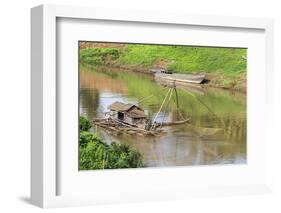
x=130 y=106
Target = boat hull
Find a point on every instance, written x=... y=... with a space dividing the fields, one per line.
x=183 y=78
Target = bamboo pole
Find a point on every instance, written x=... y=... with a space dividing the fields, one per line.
x=171 y=93
x=152 y=126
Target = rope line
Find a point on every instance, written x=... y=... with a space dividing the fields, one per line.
x=166 y=107
x=154 y=119
x=208 y=108
x=147 y=97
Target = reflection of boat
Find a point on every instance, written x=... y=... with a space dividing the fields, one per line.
x=204 y=131
x=184 y=78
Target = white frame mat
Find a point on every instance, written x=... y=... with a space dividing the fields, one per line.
x=44 y=107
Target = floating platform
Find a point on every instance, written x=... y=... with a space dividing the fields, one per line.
x=122 y=127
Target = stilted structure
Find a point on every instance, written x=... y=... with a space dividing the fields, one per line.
x=130 y=118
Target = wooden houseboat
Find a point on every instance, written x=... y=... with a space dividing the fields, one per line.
x=128 y=113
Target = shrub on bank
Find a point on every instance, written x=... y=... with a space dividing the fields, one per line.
x=94 y=153
x=84 y=124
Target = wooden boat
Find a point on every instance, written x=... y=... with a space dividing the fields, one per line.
x=160 y=70
x=193 y=88
x=183 y=78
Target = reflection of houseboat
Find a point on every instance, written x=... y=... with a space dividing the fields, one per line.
x=128 y=113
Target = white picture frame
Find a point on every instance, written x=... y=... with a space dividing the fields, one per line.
x=44 y=155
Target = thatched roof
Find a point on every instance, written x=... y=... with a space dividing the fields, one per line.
x=131 y=110
x=136 y=113
x=120 y=107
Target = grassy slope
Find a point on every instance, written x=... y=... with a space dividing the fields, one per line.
x=226 y=65
x=188 y=59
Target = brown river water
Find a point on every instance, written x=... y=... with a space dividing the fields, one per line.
x=216 y=133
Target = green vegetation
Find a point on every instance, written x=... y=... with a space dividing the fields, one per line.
x=98 y=56
x=183 y=59
x=84 y=124
x=96 y=154
x=188 y=59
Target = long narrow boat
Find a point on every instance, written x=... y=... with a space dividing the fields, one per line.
x=174 y=123
x=191 y=87
x=184 y=78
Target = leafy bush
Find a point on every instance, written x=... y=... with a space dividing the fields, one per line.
x=84 y=124
x=96 y=154
x=86 y=137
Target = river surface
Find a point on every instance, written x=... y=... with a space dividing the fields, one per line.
x=216 y=133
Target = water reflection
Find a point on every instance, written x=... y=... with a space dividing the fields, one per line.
x=213 y=137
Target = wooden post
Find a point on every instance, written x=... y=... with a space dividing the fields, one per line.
x=177 y=99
